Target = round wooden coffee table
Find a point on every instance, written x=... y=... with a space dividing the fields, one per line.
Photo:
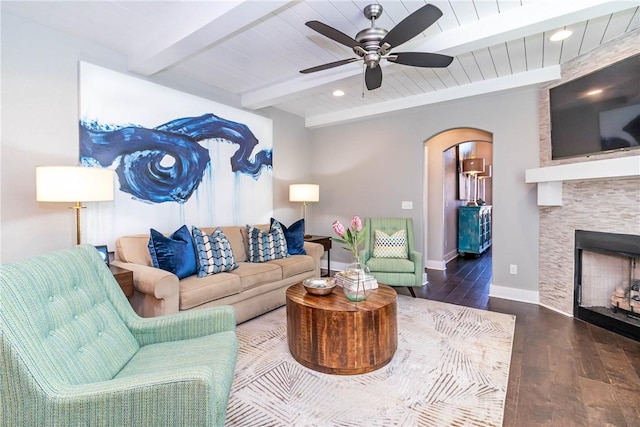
x=333 y=335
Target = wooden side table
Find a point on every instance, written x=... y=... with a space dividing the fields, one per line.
x=333 y=335
x=124 y=278
x=325 y=241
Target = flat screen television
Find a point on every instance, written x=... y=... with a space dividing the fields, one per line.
x=598 y=112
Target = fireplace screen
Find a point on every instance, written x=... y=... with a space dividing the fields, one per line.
x=610 y=285
x=607 y=281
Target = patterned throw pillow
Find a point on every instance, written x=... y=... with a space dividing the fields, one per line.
x=394 y=246
x=174 y=253
x=267 y=245
x=214 y=252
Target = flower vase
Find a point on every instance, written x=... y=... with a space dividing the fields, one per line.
x=355 y=286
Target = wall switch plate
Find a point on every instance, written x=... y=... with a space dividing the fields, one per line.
x=407 y=205
x=513 y=269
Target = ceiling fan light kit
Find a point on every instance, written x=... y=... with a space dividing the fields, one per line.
x=373 y=44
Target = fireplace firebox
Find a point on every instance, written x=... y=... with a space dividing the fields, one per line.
x=607 y=281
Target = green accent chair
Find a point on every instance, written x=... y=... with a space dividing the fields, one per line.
x=393 y=271
x=74 y=353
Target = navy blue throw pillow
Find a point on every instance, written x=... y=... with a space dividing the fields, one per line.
x=174 y=253
x=294 y=234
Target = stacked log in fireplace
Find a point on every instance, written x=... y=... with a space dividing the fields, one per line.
x=627 y=298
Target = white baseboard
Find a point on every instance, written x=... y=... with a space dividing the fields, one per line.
x=532 y=297
x=436 y=265
x=337 y=266
x=555 y=309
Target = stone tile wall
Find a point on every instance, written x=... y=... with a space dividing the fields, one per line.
x=608 y=205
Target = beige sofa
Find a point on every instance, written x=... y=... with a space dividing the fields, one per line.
x=252 y=288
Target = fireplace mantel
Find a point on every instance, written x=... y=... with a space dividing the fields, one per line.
x=550 y=178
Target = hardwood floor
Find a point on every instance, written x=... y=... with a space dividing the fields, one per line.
x=564 y=372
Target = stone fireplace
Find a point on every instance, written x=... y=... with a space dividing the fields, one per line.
x=604 y=204
x=607 y=281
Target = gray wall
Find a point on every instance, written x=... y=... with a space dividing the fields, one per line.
x=369 y=167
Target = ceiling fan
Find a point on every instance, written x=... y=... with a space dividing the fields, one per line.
x=374 y=44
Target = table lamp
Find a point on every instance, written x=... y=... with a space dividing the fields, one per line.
x=76 y=184
x=305 y=193
x=472 y=167
x=483 y=176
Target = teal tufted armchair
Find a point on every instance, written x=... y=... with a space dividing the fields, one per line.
x=393 y=271
x=74 y=353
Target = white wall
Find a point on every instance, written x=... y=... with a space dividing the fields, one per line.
x=40 y=127
x=369 y=167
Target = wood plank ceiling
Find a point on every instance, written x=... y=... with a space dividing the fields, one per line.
x=254 y=49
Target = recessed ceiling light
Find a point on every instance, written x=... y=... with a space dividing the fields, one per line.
x=338 y=92
x=560 y=35
x=594 y=92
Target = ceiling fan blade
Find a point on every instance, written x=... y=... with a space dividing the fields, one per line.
x=332 y=33
x=412 y=25
x=329 y=65
x=373 y=77
x=420 y=59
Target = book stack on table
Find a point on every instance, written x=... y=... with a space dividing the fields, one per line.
x=349 y=280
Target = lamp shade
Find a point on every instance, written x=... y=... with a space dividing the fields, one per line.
x=73 y=184
x=472 y=166
x=304 y=193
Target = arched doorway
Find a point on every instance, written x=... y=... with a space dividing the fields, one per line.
x=438 y=209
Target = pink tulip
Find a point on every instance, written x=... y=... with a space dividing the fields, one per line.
x=356 y=223
x=338 y=228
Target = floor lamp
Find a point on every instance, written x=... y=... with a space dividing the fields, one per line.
x=472 y=167
x=74 y=184
x=305 y=193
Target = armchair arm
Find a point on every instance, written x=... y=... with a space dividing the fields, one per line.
x=416 y=257
x=364 y=255
x=185 y=325
x=152 y=281
x=314 y=250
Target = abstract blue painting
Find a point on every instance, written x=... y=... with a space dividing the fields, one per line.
x=179 y=159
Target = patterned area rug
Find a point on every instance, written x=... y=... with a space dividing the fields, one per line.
x=451 y=368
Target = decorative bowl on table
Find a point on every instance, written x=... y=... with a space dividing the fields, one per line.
x=319 y=285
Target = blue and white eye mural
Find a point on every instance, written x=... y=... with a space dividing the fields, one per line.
x=178 y=158
x=167 y=163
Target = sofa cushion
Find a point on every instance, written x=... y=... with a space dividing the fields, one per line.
x=134 y=249
x=266 y=245
x=169 y=357
x=195 y=290
x=254 y=274
x=296 y=264
x=390 y=246
x=236 y=236
x=174 y=253
x=294 y=234
x=397 y=265
x=214 y=252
